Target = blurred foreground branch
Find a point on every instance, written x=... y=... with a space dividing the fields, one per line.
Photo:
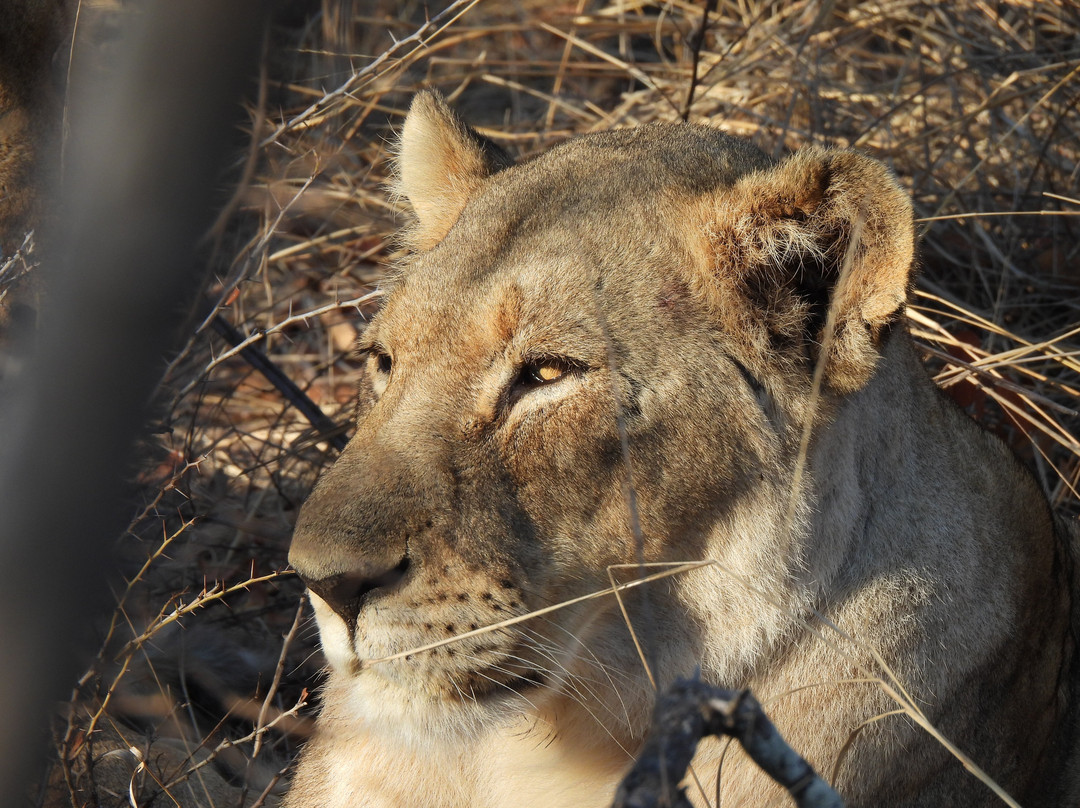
x=144 y=161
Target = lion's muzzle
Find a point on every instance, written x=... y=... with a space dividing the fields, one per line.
x=351 y=541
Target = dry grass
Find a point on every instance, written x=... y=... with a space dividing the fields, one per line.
x=973 y=103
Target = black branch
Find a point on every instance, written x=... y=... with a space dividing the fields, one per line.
x=327 y=430
x=691 y=710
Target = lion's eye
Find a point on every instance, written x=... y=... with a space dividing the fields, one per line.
x=543 y=371
x=547 y=373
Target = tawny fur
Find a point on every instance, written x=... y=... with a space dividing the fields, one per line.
x=679 y=281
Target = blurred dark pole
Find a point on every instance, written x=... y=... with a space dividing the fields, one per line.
x=144 y=159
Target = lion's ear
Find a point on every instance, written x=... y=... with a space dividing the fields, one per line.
x=441 y=162
x=821 y=229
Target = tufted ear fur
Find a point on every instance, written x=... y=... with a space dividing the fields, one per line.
x=441 y=162
x=822 y=228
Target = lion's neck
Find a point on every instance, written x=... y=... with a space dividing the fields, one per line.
x=914 y=519
x=893 y=472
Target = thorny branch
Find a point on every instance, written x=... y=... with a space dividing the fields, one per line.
x=418 y=39
x=215 y=592
x=292 y=319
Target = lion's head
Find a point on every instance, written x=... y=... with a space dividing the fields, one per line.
x=601 y=356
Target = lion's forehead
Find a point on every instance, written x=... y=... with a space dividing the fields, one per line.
x=539 y=298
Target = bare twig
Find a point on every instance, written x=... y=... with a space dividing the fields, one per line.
x=691 y=710
x=695 y=42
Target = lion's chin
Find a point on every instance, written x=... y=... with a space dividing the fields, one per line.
x=407 y=706
x=453 y=689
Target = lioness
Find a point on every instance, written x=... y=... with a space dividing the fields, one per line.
x=612 y=353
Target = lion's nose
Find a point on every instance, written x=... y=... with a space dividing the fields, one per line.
x=345 y=592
